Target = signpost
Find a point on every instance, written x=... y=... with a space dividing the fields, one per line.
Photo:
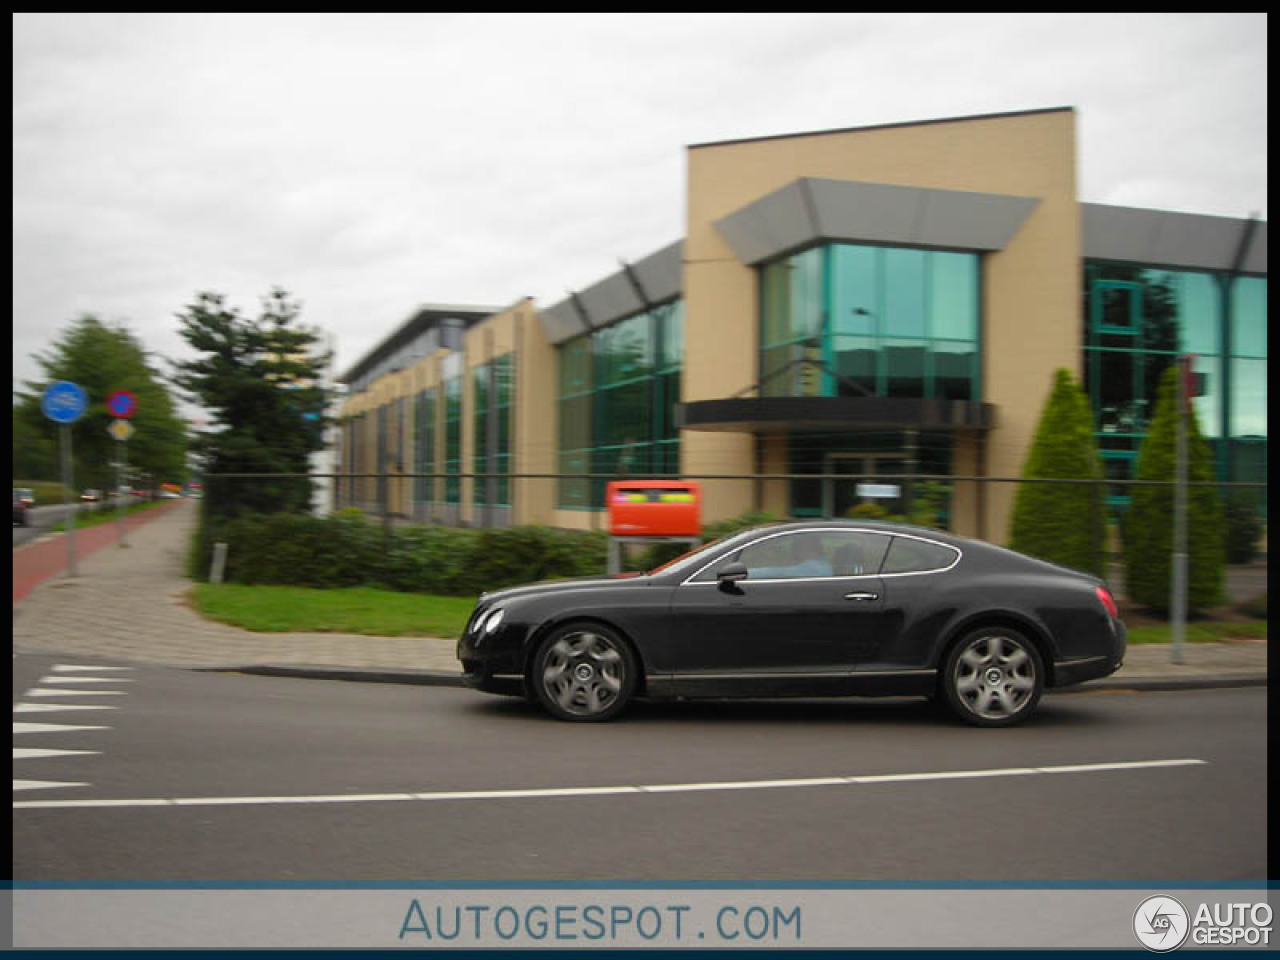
x=64 y=403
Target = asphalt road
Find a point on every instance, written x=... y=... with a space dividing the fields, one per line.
x=297 y=767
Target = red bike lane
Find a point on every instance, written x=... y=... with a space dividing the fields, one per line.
x=37 y=562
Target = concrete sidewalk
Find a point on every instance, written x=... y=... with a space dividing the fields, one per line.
x=128 y=604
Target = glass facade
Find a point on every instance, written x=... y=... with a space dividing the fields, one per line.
x=618 y=389
x=851 y=320
x=453 y=439
x=1138 y=319
x=493 y=398
x=424 y=445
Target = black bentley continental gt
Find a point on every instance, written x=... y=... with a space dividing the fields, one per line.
x=818 y=609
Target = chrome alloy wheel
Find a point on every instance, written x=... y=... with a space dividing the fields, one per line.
x=995 y=677
x=584 y=673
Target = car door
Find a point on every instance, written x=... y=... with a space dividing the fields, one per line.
x=795 y=626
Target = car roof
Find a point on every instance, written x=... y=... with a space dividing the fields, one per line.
x=880 y=526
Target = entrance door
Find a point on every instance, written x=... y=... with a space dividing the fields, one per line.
x=864 y=486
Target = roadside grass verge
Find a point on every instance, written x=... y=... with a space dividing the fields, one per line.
x=356 y=610
x=98 y=515
x=1208 y=631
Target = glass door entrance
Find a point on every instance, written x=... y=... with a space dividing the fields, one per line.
x=872 y=478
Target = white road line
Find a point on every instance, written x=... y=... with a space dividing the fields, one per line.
x=58 y=692
x=43 y=784
x=34 y=753
x=50 y=728
x=58 y=707
x=87 y=680
x=81 y=668
x=598 y=791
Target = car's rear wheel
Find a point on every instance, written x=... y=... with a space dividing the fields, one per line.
x=993 y=677
x=584 y=671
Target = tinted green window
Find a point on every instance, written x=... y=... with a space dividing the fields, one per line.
x=424 y=445
x=453 y=439
x=904 y=287
x=891 y=322
x=618 y=390
x=917 y=556
x=1249 y=317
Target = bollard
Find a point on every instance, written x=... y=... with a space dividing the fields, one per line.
x=219 y=562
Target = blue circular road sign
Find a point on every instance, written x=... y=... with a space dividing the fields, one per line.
x=64 y=402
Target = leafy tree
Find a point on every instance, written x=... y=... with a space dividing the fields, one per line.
x=1148 y=523
x=260 y=379
x=1059 y=522
x=102 y=358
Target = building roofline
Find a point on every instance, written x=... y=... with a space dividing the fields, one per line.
x=880 y=126
x=422 y=317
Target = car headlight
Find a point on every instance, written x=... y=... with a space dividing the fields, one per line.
x=493 y=620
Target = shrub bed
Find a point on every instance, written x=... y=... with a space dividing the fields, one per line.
x=347 y=550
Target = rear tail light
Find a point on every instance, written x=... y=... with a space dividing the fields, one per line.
x=1108 y=602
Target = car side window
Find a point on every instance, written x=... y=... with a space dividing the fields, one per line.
x=918 y=556
x=807 y=555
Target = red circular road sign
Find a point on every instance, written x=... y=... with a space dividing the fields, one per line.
x=122 y=403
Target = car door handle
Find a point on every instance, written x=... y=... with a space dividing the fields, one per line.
x=862 y=596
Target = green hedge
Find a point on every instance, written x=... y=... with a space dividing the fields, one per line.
x=347 y=550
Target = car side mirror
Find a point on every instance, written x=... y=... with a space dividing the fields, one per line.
x=731 y=573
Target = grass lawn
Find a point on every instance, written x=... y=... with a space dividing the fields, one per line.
x=99 y=515
x=1207 y=631
x=358 y=610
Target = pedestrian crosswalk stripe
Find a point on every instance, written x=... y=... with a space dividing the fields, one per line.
x=43 y=784
x=51 y=707
x=82 y=668
x=87 y=680
x=59 y=692
x=35 y=753
x=50 y=728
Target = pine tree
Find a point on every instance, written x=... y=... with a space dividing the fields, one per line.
x=260 y=379
x=1063 y=523
x=1148 y=523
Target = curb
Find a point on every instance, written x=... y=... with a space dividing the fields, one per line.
x=442 y=678
x=426 y=678
x=1160 y=684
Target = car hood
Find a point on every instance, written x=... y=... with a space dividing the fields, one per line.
x=572 y=585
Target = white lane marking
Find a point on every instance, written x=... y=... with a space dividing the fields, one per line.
x=35 y=753
x=87 y=680
x=81 y=668
x=50 y=728
x=43 y=784
x=57 y=692
x=597 y=791
x=58 y=707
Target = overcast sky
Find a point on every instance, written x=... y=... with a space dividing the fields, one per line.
x=371 y=163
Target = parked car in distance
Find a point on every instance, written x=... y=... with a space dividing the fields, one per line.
x=91 y=495
x=22 y=501
x=815 y=609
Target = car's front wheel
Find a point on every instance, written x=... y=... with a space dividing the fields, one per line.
x=993 y=677
x=584 y=672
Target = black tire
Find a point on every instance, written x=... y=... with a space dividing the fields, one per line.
x=584 y=672
x=993 y=677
